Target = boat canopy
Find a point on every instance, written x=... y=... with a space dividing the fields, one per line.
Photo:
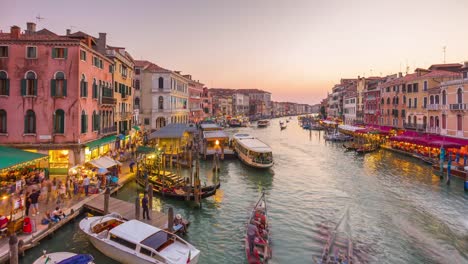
x=210 y=127
x=134 y=231
x=252 y=143
x=220 y=134
x=349 y=128
x=104 y=162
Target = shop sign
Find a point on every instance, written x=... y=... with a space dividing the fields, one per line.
x=45 y=137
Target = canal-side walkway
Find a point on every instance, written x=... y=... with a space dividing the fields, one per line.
x=71 y=207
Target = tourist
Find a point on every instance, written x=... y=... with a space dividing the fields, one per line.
x=54 y=187
x=49 y=190
x=179 y=224
x=61 y=190
x=252 y=232
x=144 y=205
x=68 y=186
x=35 y=201
x=58 y=214
x=132 y=163
x=75 y=186
x=86 y=184
x=27 y=202
x=46 y=219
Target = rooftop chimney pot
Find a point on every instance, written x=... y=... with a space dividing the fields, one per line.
x=31 y=27
x=68 y=32
x=101 y=43
x=15 y=32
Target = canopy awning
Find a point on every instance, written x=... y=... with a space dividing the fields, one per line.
x=172 y=131
x=104 y=162
x=145 y=150
x=99 y=142
x=349 y=128
x=215 y=134
x=137 y=128
x=10 y=157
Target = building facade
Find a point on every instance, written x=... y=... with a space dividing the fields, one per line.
x=240 y=104
x=196 y=113
x=163 y=96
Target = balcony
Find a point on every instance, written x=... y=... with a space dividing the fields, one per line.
x=433 y=130
x=125 y=96
x=108 y=101
x=125 y=115
x=458 y=107
x=433 y=107
x=419 y=127
x=108 y=130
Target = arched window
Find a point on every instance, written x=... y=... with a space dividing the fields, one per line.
x=161 y=102
x=58 y=85
x=459 y=122
x=84 y=122
x=437 y=122
x=3 y=121
x=444 y=121
x=83 y=86
x=95 y=89
x=4 y=84
x=30 y=122
x=431 y=121
x=388 y=100
x=436 y=99
x=161 y=82
x=444 y=97
x=404 y=99
x=431 y=99
x=137 y=102
x=59 y=121
x=382 y=101
x=29 y=84
x=409 y=119
x=95 y=121
x=459 y=96
x=414 y=120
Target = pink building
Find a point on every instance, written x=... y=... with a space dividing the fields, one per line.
x=195 y=100
x=371 y=101
x=51 y=93
x=207 y=103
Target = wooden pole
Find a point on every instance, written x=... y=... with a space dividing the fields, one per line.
x=150 y=196
x=106 y=201
x=13 y=242
x=137 y=208
x=170 y=219
x=222 y=149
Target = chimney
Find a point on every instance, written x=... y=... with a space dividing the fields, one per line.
x=89 y=42
x=31 y=27
x=68 y=32
x=101 y=43
x=178 y=72
x=400 y=74
x=15 y=32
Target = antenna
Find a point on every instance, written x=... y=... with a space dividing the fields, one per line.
x=444 y=50
x=39 y=18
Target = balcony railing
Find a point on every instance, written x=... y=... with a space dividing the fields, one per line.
x=458 y=107
x=433 y=107
x=420 y=127
x=108 y=101
x=433 y=130
x=108 y=130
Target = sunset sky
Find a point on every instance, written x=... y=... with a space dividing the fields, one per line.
x=295 y=49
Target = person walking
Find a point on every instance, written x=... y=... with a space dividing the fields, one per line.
x=27 y=201
x=75 y=186
x=144 y=205
x=86 y=184
x=132 y=163
x=35 y=201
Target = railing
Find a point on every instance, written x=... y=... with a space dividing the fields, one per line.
x=125 y=115
x=460 y=133
x=433 y=130
x=458 y=107
x=108 y=101
x=433 y=107
x=108 y=130
x=409 y=125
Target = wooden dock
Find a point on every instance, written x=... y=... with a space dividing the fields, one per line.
x=126 y=210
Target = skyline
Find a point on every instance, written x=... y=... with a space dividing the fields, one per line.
x=290 y=51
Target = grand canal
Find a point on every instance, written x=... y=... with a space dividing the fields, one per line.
x=399 y=211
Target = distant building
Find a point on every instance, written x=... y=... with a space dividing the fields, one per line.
x=207 y=103
x=240 y=104
x=195 y=100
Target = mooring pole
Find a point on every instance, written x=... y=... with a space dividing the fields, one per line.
x=106 y=200
x=13 y=242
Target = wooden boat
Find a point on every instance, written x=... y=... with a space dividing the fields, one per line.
x=263 y=123
x=366 y=148
x=252 y=151
x=64 y=258
x=179 y=192
x=351 y=146
x=259 y=218
x=134 y=241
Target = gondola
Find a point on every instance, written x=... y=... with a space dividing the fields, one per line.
x=262 y=249
x=366 y=148
x=350 y=147
x=178 y=193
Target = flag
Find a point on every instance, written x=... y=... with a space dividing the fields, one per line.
x=189 y=256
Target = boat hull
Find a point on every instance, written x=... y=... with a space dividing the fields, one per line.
x=247 y=161
x=210 y=191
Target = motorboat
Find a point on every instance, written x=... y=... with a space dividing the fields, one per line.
x=234 y=122
x=252 y=151
x=337 y=137
x=64 y=258
x=263 y=123
x=261 y=249
x=282 y=125
x=133 y=241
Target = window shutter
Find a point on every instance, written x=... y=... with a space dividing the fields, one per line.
x=54 y=53
x=25 y=124
x=85 y=94
x=8 y=87
x=53 y=87
x=23 y=87
x=65 y=52
x=92 y=122
x=129 y=90
x=62 y=122
x=65 y=88
x=35 y=87
x=86 y=123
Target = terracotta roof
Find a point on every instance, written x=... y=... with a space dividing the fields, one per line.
x=41 y=35
x=80 y=34
x=445 y=65
x=150 y=66
x=438 y=74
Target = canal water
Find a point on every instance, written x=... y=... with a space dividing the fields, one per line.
x=397 y=210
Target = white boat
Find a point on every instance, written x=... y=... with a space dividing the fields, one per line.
x=263 y=123
x=65 y=258
x=283 y=125
x=252 y=151
x=136 y=242
x=337 y=137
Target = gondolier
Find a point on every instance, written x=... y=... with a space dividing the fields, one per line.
x=252 y=232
